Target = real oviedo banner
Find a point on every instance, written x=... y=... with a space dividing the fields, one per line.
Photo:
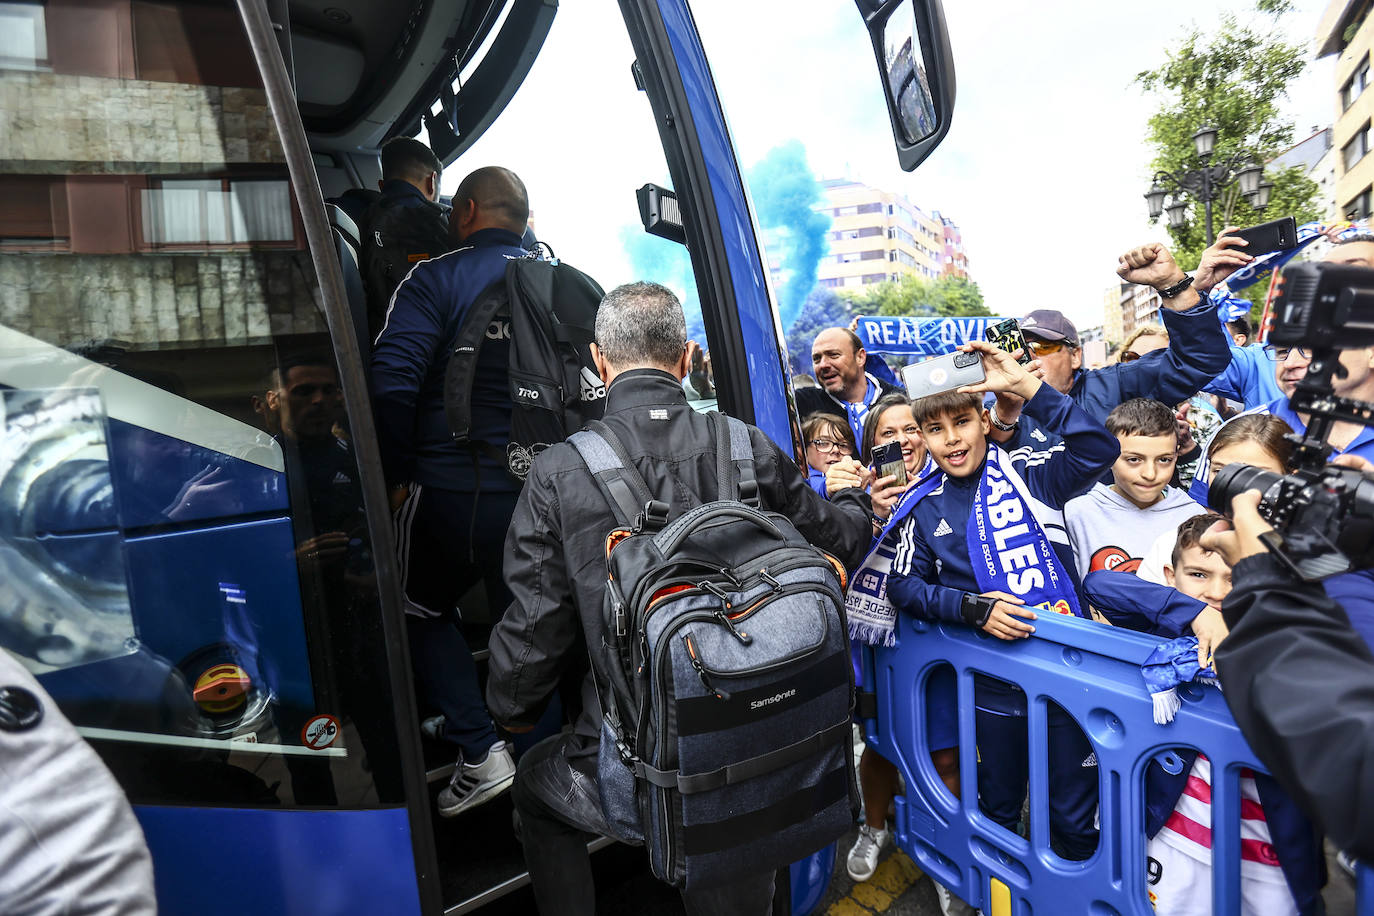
x=920 y=336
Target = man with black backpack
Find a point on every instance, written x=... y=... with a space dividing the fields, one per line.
x=722 y=595
x=452 y=503
x=404 y=225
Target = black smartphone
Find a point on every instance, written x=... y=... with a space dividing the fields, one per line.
x=887 y=461
x=1006 y=335
x=1275 y=235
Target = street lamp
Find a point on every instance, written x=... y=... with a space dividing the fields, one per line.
x=1178 y=214
x=1205 y=140
x=1154 y=198
x=1206 y=183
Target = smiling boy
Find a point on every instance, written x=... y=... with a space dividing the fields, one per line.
x=982 y=542
x=1113 y=526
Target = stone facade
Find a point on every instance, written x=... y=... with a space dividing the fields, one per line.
x=57 y=124
x=156 y=301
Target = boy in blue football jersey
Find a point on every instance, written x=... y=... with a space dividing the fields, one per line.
x=983 y=542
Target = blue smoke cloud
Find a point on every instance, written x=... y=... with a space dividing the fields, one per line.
x=784 y=191
x=662 y=261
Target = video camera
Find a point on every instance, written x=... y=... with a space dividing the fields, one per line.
x=1323 y=516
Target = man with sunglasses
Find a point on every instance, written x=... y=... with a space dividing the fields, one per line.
x=1290 y=365
x=1198 y=346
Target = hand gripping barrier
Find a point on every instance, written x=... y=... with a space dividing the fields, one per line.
x=1092 y=671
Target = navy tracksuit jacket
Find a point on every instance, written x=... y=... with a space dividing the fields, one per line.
x=931 y=573
x=411 y=356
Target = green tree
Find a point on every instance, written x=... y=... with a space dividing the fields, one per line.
x=1233 y=78
x=944 y=297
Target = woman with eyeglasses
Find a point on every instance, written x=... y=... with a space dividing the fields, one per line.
x=828 y=439
x=889 y=420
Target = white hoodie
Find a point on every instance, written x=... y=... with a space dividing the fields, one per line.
x=1108 y=531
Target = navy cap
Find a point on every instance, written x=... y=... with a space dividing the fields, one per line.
x=1047 y=324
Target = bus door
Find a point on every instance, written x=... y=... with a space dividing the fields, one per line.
x=187 y=559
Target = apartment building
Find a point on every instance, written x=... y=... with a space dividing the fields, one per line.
x=1346 y=30
x=878 y=235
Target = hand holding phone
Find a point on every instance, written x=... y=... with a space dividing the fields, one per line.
x=1274 y=235
x=1006 y=335
x=888 y=462
x=943 y=373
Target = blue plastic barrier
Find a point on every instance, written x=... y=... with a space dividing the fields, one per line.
x=1092 y=671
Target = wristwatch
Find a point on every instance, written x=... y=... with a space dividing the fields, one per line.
x=997 y=422
x=1170 y=292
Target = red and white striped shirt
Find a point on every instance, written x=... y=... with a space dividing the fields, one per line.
x=1186 y=889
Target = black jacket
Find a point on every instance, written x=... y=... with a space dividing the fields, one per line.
x=1300 y=683
x=401 y=229
x=555 y=547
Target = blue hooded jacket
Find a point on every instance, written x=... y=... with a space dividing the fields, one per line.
x=1198 y=352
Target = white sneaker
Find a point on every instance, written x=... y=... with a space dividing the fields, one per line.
x=951 y=905
x=475 y=783
x=863 y=858
x=432 y=728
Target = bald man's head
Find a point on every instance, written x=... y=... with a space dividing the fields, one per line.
x=490 y=198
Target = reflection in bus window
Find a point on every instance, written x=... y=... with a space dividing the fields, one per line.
x=185 y=558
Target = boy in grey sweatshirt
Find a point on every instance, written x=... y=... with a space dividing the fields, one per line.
x=1112 y=527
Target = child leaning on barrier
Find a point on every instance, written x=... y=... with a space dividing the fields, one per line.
x=1282 y=867
x=1112 y=526
x=982 y=542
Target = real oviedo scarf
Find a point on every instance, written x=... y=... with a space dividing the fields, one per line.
x=1008 y=549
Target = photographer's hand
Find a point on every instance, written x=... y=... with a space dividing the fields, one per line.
x=1002 y=372
x=1240 y=537
x=1354 y=462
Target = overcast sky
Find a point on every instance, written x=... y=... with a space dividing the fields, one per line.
x=1043 y=168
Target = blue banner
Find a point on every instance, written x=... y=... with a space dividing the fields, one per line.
x=920 y=336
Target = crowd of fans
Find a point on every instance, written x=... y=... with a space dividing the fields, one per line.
x=1050 y=487
x=1057 y=487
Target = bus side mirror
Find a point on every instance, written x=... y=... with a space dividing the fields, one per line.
x=911 y=43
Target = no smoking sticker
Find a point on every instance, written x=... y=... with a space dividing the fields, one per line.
x=320 y=732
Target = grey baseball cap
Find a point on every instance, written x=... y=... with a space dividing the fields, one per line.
x=1047 y=324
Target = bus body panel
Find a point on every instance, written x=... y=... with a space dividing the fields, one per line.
x=232 y=861
x=758 y=320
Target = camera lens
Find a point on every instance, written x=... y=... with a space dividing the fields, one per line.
x=1237 y=478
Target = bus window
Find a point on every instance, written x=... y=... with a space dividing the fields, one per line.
x=184 y=558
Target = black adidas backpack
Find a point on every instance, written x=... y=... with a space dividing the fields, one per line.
x=554 y=387
x=725 y=678
x=397 y=234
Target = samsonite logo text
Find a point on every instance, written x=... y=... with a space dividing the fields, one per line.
x=775 y=698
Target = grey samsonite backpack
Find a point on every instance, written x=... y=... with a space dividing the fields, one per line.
x=725 y=679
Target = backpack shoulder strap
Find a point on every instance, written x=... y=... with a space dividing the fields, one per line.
x=462 y=363
x=616 y=477
x=737 y=460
